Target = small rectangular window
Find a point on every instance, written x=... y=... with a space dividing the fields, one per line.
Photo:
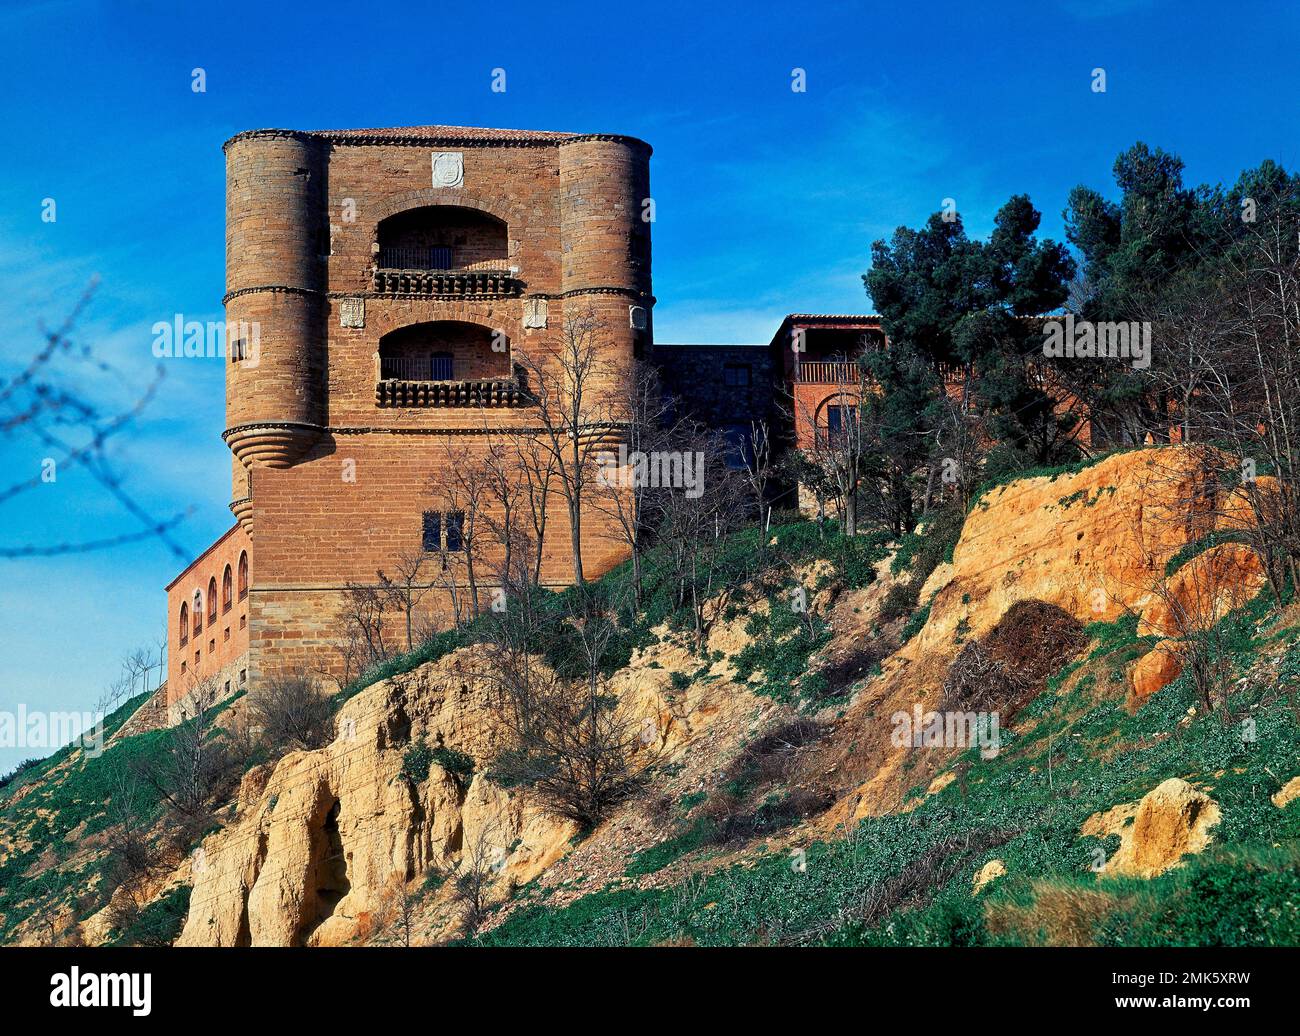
x=212 y=645
x=841 y=419
x=736 y=375
x=243 y=676
x=184 y=667
x=242 y=621
x=432 y=540
x=455 y=527
x=227 y=636
x=227 y=686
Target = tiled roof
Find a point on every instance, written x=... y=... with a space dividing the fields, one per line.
x=452 y=136
x=466 y=132
x=862 y=318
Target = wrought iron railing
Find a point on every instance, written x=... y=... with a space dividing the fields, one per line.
x=414 y=258
x=416 y=368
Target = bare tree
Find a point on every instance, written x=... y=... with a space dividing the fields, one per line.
x=842 y=442
x=537 y=464
x=759 y=470
x=578 y=405
x=691 y=525
x=51 y=401
x=193 y=768
x=472 y=875
x=362 y=635
x=568 y=739
x=407 y=586
x=463 y=489
x=136 y=854
x=956 y=458
x=623 y=485
x=504 y=516
x=399 y=910
x=1235 y=327
x=290 y=710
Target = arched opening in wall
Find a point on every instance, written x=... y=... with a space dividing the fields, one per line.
x=185 y=623
x=442 y=237
x=836 y=419
x=444 y=350
x=212 y=600
x=227 y=590
x=243 y=574
x=198 y=611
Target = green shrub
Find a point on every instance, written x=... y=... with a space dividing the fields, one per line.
x=416 y=761
x=158 y=924
x=458 y=765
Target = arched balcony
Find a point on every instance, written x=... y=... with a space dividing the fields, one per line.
x=446 y=363
x=444 y=250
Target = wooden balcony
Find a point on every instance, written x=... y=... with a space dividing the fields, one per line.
x=827 y=372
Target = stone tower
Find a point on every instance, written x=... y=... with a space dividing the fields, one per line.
x=383 y=287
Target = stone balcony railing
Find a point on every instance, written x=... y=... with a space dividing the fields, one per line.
x=450 y=283
x=493 y=392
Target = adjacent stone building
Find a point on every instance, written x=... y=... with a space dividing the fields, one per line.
x=732 y=388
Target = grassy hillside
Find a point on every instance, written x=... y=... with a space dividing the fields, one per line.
x=770 y=853
x=905 y=879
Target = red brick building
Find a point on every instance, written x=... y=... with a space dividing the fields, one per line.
x=815 y=356
x=384 y=288
x=207 y=624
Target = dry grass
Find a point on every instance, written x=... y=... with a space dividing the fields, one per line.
x=1060 y=915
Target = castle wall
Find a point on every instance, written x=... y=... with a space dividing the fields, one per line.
x=217 y=653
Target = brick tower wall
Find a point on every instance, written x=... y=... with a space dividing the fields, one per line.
x=333 y=486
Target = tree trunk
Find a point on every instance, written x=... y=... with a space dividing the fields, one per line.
x=575 y=539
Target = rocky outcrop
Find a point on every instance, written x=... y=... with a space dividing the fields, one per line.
x=1287 y=794
x=990 y=872
x=1094 y=543
x=324 y=837
x=1169 y=822
x=1203 y=591
x=1155 y=670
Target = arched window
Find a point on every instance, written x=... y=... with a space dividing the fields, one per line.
x=227 y=590
x=212 y=600
x=243 y=574
x=185 y=623
x=442 y=237
x=444 y=350
x=197 y=608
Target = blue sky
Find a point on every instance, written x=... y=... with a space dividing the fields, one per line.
x=767 y=200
